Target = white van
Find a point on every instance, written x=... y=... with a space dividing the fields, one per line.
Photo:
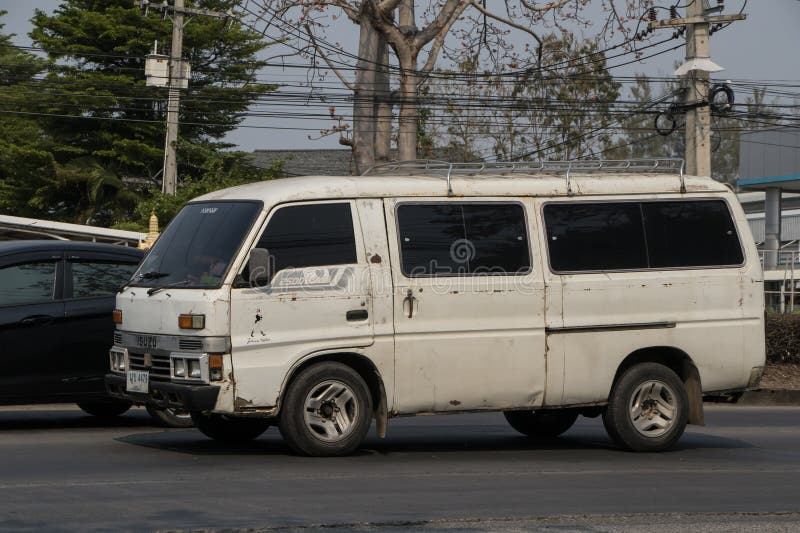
x=546 y=291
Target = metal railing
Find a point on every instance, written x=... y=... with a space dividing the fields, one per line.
x=582 y=166
x=786 y=274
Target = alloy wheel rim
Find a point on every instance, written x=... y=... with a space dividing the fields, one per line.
x=330 y=411
x=652 y=408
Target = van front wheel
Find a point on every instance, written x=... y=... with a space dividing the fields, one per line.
x=327 y=410
x=544 y=424
x=229 y=429
x=647 y=410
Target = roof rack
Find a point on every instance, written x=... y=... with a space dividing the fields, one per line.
x=429 y=166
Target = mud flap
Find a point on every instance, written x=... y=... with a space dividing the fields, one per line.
x=694 y=392
x=381 y=411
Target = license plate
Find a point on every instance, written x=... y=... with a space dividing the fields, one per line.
x=138 y=381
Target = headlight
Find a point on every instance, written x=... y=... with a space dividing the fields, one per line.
x=190 y=366
x=179 y=368
x=194 y=368
x=118 y=359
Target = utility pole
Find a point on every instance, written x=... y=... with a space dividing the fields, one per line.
x=698 y=21
x=178 y=78
x=169 y=182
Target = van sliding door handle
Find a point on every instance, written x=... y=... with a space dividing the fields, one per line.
x=411 y=301
x=356 y=315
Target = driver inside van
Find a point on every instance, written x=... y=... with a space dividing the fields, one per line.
x=210 y=269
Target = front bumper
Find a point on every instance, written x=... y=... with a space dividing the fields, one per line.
x=166 y=394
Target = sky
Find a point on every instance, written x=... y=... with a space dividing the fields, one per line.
x=766 y=47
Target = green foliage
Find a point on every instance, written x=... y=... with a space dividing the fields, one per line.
x=639 y=138
x=219 y=170
x=25 y=161
x=570 y=103
x=98 y=151
x=537 y=113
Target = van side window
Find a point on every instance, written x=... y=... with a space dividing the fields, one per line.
x=463 y=239
x=595 y=236
x=308 y=235
x=689 y=234
x=601 y=236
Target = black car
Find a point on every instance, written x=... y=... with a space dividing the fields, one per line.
x=56 y=328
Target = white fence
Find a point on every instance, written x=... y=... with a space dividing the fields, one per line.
x=781 y=281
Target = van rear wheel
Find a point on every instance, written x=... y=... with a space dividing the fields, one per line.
x=648 y=408
x=327 y=410
x=229 y=429
x=544 y=424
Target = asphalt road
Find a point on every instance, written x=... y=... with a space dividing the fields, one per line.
x=62 y=470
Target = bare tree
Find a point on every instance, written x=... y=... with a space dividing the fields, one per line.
x=417 y=33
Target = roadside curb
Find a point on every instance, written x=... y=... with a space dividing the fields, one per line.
x=770 y=397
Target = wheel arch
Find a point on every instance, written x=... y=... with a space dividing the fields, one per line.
x=679 y=362
x=363 y=366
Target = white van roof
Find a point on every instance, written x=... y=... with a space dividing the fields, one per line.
x=404 y=180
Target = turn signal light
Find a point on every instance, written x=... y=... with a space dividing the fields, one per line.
x=117 y=314
x=215 y=367
x=191 y=321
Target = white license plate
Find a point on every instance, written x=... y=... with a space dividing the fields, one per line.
x=138 y=381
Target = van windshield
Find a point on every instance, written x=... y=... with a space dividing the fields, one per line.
x=198 y=246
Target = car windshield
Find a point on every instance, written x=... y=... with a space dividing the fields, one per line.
x=196 y=249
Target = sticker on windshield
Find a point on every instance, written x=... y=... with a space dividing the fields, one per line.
x=208 y=210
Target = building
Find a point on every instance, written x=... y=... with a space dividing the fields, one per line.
x=769 y=163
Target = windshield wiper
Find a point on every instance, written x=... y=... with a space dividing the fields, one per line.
x=147 y=275
x=154 y=290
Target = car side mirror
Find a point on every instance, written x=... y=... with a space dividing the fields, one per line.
x=258 y=264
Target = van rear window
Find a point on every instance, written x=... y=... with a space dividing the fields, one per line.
x=603 y=236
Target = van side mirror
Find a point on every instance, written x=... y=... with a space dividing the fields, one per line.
x=258 y=264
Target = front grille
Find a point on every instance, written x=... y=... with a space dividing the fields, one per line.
x=159 y=370
x=117 y=338
x=188 y=343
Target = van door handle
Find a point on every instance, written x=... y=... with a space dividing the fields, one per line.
x=356 y=315
x=410 y=299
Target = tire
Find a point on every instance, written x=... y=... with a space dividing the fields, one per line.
x=105 y=408
x=544 y=424
x=327 y=411
x=648 y=408
x=224 y=428
x=170 y=417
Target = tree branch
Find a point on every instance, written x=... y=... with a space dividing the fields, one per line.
x=443 y=19
x=547 y=7
x=339 y=75
x=348 y=10
x=387 y=6
x=433 y=54
x=505 y=21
